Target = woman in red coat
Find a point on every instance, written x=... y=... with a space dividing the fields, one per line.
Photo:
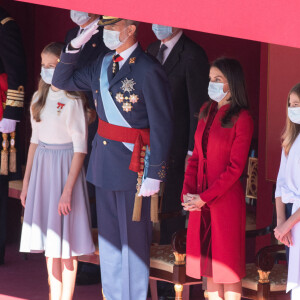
x=212 y=191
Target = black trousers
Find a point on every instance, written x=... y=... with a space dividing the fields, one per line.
x=171 y=200
x=3 y=213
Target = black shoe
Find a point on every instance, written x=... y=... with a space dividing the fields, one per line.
x=86 y=278
x=165 y=290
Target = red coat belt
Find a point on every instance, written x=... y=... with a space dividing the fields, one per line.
x=138 y=137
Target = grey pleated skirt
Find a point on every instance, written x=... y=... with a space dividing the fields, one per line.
x=43 y=228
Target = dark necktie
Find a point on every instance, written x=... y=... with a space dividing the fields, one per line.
x=116 y=59
x=160 y=54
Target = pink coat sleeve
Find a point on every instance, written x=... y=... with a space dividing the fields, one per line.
x=238 y=158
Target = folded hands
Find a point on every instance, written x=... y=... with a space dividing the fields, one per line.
x=192 y=202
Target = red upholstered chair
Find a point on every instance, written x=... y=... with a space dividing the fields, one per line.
x=167 y=263
x=265 y=278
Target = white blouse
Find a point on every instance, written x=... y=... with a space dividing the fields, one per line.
x=288 y=188
x=288 y=179
x=63 y=121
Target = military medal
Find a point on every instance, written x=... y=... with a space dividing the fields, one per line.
x=116 y=59
x=127 y=106
x=133 y=98
x=114 y=67
x=127 y=85
x=120 y=97
x=59 y=107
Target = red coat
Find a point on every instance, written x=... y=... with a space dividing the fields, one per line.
x=225 y=213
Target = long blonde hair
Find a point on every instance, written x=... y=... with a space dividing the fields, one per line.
x=291 y=130
x=54 y=48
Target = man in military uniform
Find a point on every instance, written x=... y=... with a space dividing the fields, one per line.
x=187 y=68
x=87 y=273
x=134 y=106
x=12 y=81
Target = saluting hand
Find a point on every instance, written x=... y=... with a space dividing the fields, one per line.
x=84 y=37
x=192 y=202
x=64 y=205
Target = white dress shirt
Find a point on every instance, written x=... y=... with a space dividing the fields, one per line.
x=126 y=53
x=170 y=45
x=288 y=180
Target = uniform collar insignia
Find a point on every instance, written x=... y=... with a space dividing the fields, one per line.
x=132 y=60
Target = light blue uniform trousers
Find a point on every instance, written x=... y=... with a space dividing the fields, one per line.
x=124 y=245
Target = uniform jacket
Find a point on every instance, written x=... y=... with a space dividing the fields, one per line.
x=227 y=152
x=109 y=162
x=187 y=69
x=12 y=62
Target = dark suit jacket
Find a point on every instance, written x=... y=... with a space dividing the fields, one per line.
x=109 y=162
x=187 y=69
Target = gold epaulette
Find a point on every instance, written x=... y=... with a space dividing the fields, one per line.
x=5 y=20
x=15 y=98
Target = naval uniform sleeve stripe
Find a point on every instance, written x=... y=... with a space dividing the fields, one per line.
x=4 y=21
x=14 y=103
x=15 y=92
x=18 y=98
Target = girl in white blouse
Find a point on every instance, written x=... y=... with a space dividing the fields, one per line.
x=288 y=190
x=54 y=193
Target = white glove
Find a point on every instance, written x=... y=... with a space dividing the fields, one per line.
x=7 y=125
x=84 y=37
x=149 y=187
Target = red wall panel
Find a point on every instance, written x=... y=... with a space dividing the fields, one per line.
x=283 y=73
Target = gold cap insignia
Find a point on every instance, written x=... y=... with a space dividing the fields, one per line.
x=108 y=20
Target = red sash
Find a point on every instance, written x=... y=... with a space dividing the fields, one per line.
x=3 y=90
x=138 y=137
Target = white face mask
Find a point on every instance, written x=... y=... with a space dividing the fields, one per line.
x=294 y=114
x=79 y=17
x=111 y=39
x=215 y=91
x=162 y=32
x=47 y=74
